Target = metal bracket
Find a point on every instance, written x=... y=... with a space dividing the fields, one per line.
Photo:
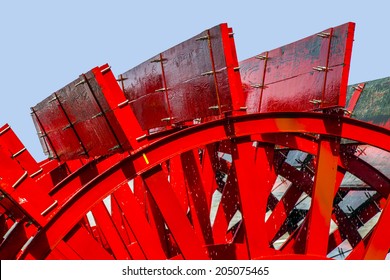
x=103 y=71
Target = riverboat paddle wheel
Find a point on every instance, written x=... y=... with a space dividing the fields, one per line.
x=195 y=155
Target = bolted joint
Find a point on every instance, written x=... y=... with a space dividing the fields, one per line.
x=315 y=101
x=203 y=38
x=167 y=119
x=323 y=34
x=262 y=57
x=105 y=70
x=79 y=83
x=258 y=86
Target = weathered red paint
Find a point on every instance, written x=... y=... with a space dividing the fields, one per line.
x=306 y=75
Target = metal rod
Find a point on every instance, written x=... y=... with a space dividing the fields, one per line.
x=10 y=230
x=47 y=210
x=27 y=243
x=324 y=34
x=203 y=38
x=123 y=103
x=19 y=152
x=140 y=138
x=36 y=173
x=104 y=115
x=79 y=83
x=4 y=130
x=17 y=183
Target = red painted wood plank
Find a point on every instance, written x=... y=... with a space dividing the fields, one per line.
x=78 y=121
x=306 y=75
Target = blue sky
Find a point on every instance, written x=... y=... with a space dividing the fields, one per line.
x=46 y=44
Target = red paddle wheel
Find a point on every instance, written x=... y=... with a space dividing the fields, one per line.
x=192 y=155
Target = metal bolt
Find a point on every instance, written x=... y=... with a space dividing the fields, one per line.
x=203 y=38
x=321 y=68
x=161 y=89
x=97 y=115
x=53 y=99
x=19 y=180
x=315 y=101
x=123 y=103
x=36 y=173
x=140 y=138
x=358 y=87
x=258 y=86
x=79 y=83
x=44 y=212
x=324 y=34
x=166 y=119
x=19 y=152
x=114 y=148
x=207 y=73
x=105 y=69
x=347 y=112
x=261 y=57
x=5 y=130
x=121 y=78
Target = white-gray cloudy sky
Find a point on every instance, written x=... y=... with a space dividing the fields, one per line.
x=44 y=45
